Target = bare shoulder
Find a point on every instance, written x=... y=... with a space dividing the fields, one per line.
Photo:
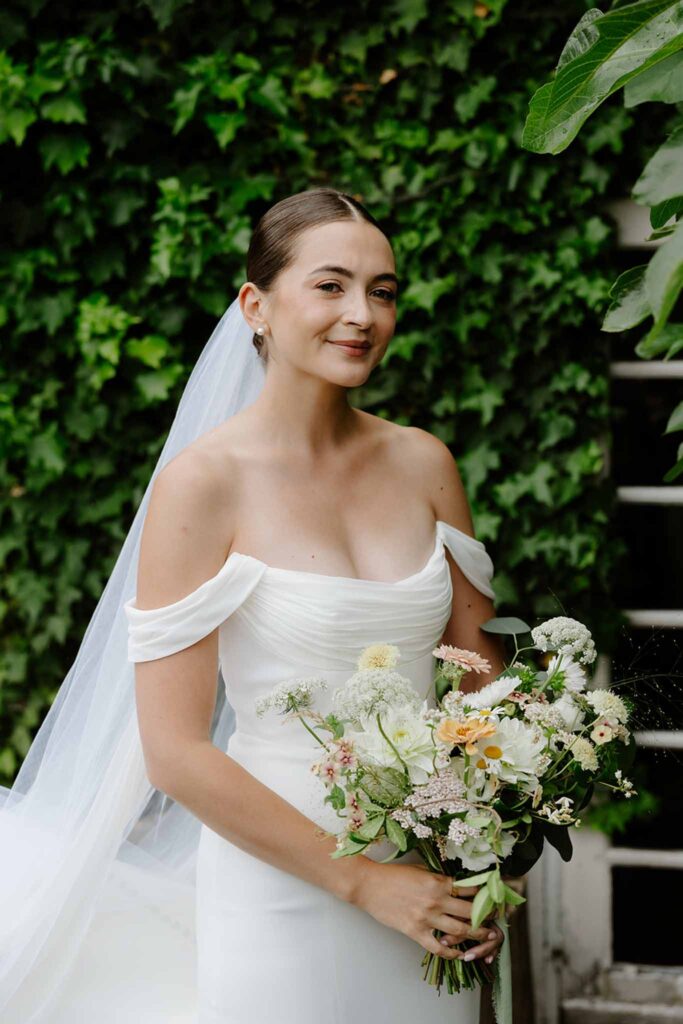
x=431 y=463
x=186 y=534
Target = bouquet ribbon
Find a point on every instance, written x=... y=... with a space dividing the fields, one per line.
x=502 y=982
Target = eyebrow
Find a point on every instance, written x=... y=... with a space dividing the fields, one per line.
x=347 y=273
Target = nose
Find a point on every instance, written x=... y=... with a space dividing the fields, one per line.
x=359 y=311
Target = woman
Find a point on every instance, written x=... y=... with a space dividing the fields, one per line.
x=276 y=544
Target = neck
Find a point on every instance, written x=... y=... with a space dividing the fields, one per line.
x=304 y=414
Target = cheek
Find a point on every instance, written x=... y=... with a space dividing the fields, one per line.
x=386 y=325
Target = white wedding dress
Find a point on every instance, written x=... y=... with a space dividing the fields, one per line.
x=252 y=944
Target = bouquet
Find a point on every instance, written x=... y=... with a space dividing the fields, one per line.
x=477 y=781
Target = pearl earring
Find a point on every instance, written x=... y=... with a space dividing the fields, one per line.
x=260 y=330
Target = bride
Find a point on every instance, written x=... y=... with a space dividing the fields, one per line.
x=163 y=853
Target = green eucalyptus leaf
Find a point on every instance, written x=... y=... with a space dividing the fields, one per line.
x=508 y=625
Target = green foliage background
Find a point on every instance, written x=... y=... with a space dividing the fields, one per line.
x=139 y=145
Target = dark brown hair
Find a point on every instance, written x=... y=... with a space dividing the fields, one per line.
x=272 y=245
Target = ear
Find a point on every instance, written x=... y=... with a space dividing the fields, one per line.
x=251 y=303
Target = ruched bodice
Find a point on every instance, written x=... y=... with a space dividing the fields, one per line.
x=323 y=958
x=320 y=616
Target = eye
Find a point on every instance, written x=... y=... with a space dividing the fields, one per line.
x=386 y=294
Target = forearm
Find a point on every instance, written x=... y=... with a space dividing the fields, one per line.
x=236 y=805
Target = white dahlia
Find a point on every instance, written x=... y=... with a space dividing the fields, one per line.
x=409 y=736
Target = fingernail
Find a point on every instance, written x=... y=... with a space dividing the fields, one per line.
x=469 y=956
x=489 y=959
x=491 y=935
x=444 y=942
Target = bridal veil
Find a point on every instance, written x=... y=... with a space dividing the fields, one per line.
x=82 y=822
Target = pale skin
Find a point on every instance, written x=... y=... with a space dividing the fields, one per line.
x=351 y=494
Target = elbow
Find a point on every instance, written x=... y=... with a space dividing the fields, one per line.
x=158 y=778
x=160 y=774
x=169 y=770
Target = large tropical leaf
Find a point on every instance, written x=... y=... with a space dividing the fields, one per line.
x=664 y=279
x=663 y=83
x=662 y=178
x=603 y=53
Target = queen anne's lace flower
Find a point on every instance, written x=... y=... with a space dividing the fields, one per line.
x=566 y=636
x=543 y=714
x=453 y=703
x=372 y=691
x=290 y=695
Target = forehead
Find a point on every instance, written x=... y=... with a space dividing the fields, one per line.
x=356 y=244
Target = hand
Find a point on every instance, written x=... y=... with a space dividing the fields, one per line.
x=495 y=937
x=416 y=901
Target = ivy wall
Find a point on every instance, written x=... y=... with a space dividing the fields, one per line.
x=139 y=145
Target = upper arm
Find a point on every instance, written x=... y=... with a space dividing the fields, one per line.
x=470 y=606
x=183 y=543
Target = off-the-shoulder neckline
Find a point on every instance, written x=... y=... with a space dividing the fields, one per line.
x=437 y=549
x=440 y=526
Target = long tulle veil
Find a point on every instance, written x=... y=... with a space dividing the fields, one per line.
x=82 y=831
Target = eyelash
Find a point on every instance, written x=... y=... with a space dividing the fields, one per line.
x=390 y=296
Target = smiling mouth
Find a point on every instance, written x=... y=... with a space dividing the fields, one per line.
x=351 y=344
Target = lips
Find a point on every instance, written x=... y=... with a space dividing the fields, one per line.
x=351 y=344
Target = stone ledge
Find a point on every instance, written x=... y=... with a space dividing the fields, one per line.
x=607 y=1011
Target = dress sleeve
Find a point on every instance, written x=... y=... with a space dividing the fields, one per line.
x=471 y=556
x=158 y=632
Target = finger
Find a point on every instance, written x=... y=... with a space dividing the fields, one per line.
x=458 y=908
x=464 y=890
x=463 y=909
x=484 y=949
x=434 y=945
x=494 y=941
x=463 y=929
